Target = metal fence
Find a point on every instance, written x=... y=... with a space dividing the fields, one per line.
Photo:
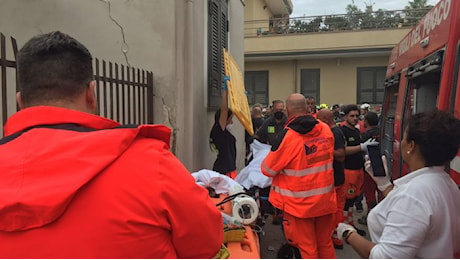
x=124 y=94
x=380 y=19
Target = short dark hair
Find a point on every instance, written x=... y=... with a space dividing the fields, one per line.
x=372 y=118
x=217 y=115
x=51 y=67
x=348 y=108
x=437 y=134
x=276 y=101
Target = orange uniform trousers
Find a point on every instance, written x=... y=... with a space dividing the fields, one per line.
x=312 y=236
x=353 y=183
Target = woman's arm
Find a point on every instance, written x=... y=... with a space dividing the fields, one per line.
x=224 y=105
x=361 y=245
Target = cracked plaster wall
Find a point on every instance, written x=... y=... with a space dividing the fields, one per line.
x=128 y=32
x=150 y=35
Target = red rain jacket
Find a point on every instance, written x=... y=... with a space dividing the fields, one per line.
x=76 y=185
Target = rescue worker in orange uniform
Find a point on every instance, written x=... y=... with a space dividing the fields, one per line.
x=77 y=185
x=301 y=166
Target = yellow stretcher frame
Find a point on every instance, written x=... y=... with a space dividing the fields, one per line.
x=236 y=92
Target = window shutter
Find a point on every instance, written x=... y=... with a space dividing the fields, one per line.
x=217 y=40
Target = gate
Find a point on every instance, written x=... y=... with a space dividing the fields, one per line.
x=124 y=94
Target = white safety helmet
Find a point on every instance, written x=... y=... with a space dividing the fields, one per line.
x=365 y=106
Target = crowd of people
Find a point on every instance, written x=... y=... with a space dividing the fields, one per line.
x=76 y=185
x=301 y=186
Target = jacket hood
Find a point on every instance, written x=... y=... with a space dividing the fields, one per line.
x=49 y=154
x=303 y=124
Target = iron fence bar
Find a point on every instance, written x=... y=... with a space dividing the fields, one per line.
x=142 y=94
x=139 y=104
x=3 y=65
x=128 y=72
x=123 y=102
x=111 y=91
x=134 y=97
x=150 y=98
x=96 y=78
x=104 y=87
x=14 y=44
x=117 y=94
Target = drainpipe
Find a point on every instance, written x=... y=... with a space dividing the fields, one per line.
x=189 y=130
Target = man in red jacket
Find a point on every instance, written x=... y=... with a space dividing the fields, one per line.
x=76 y=185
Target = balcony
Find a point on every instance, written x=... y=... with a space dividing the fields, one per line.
x=364 y=34
x=279 y=8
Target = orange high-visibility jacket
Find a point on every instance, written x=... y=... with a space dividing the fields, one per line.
x=301 y=167
x=76 y=185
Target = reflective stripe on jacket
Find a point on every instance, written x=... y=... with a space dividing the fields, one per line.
x=301 y=167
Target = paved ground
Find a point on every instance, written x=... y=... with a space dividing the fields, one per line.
x=273 y=238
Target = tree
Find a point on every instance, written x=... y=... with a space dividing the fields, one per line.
x=353 y=15
x=336 y=23
x=416 y=4
x=368 y=19
x=301 y=25
x=415 y=10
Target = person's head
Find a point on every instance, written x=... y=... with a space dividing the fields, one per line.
x=256 y=112
x=351 y=115
x=364 y=108
x=268 y=111
x=326 y=116
x=311 y=104
x=431 y=138
x=229 y=117
x=55 y=69
x=371 y=119
x=296 y=105
x=258 y=105
x=336 y=107
x=278 y=109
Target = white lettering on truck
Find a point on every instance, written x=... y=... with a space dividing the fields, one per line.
x=433 y=19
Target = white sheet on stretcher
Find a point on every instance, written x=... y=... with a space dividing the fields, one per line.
x=251 y=175
x=219 y=182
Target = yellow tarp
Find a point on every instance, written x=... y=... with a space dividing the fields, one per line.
x=236 y=93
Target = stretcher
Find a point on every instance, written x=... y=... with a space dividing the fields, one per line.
x=247 y=246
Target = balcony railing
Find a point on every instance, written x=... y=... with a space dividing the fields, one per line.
x=332 y=23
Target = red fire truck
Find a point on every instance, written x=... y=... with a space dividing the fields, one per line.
x=422 y=74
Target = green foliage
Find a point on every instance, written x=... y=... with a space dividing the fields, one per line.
x=355 y=18
x=335 y=23
x=416 y=10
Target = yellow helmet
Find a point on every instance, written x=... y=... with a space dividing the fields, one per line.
x=323 y=105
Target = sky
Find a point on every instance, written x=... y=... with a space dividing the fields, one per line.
x=323 y=7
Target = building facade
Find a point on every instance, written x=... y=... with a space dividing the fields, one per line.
x=169 y=38
x=327 y=57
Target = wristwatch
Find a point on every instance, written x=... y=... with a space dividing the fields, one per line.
x=346 y=234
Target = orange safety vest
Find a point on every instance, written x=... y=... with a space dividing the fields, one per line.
x=301 y=167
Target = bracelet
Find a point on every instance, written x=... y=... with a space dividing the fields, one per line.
x=348 y=235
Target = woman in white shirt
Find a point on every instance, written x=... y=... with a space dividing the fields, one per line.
x=420 y=215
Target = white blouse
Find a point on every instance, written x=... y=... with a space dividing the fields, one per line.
x=419 y=218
